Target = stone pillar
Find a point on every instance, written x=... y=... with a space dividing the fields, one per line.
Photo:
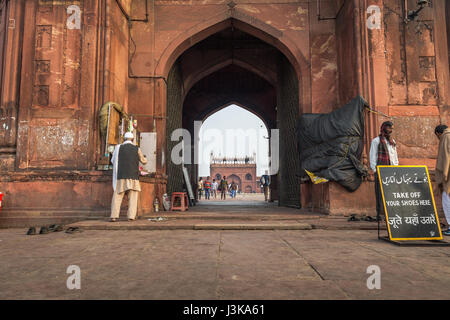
x=11 y=20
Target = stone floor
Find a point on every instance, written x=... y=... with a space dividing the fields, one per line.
x=218 y=264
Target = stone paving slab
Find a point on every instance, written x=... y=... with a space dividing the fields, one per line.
x=255 y=223
x=253 y=226
x=218 y=264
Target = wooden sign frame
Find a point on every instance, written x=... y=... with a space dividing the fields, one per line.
x=188 y=186
x=432 y=197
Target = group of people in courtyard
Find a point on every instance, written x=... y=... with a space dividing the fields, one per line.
x=210 y=188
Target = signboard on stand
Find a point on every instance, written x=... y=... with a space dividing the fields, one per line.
x=409 y=203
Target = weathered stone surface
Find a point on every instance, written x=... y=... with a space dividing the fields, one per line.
x=265 y=55
x=285 y=264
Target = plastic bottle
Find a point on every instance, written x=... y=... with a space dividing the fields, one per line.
x=156 y=205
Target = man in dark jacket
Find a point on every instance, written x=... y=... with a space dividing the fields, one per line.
x=265 y=182
x=126 y=158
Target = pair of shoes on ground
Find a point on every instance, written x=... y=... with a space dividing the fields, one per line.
x=353 y=217
x=73 y=230
x=44 y=230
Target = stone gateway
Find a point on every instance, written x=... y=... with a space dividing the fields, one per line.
x=170 y=63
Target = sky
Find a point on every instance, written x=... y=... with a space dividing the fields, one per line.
x=233 y=131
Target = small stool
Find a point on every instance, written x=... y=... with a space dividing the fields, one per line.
x=179 y=201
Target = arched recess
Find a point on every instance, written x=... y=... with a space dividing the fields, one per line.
x=236 y=179
x=286 y=104
x=238 y=19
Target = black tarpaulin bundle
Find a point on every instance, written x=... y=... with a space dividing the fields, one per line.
x=331 y=145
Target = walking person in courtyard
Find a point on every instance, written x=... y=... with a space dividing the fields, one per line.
x=383 y=151
x=200 y=188
x=265 y=182
x=214 y=186
x=207 y=187
x=233 y=189
x=223 y=188
x=125 y=159
x=442 y=170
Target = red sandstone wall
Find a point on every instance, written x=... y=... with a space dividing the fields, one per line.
x=56 y=98
x=346 y=52
x=324 y=56
x=414 y=68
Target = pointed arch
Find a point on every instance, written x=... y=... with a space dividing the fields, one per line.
x=251 y=25
x=240 y=105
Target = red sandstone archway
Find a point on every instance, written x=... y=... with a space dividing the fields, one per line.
x=271 y=93
x=251 y=25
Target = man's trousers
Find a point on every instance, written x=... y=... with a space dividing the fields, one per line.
x=378 y=197
x=132 y=203
x=446 y=206
x=266 y=193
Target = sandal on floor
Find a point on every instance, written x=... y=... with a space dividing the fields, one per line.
x=31 y=231
x=55 y=228
x=131 y=220
x=113 y=220
x=353 y=218
x=73 y=229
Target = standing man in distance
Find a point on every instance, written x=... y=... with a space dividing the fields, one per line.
x=207 y=187
x=442 y=170
x=214 y=186
x=265 y=182
x=233 y=188
x=223 y=188
x=200 y=188
x=125 y=159
x=383 y=152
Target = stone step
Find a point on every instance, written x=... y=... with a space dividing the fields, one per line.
x=22 y=222
x=141 y=225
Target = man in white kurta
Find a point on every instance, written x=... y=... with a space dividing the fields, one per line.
x=126 y=158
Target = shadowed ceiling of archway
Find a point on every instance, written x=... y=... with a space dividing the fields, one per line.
x=228 y=85
x=230 y=66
